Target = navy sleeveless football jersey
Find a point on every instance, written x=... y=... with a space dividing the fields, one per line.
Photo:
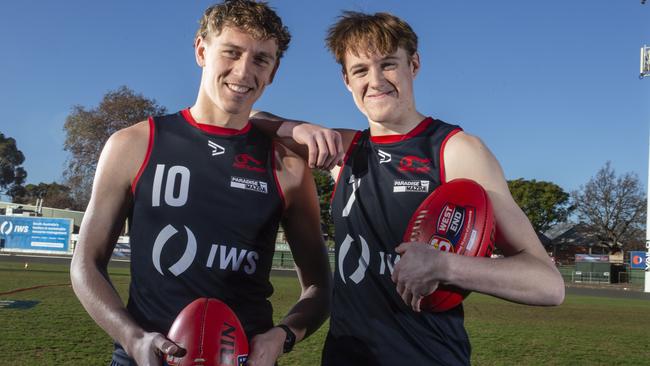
x=207 y=206
x=383 y=181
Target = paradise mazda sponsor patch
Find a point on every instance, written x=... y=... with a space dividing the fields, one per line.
x=249 y=184
x=411 y=186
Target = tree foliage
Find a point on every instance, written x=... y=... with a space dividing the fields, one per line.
x=53 y=195
x=88 y=129
x=545 y=203
x=325 y=187
x=615 y=207
x=12 y=174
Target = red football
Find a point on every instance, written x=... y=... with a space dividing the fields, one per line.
x=211 y=333
x=456 y=217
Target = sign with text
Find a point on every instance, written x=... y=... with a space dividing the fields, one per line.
x=35 y=234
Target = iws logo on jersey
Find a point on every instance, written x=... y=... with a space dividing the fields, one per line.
x=401 y=185
x=226 y=258
x=249 y=184
x=216 y=148
x=247 y=162
x=414 y=164
x=360 y=272
x=384 y=157
x=188 y=256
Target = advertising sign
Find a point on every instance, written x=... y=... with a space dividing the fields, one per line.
x=35 y=234
x=637 y=259
x=592 y=258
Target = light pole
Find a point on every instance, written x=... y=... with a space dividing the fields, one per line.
x=644 y=72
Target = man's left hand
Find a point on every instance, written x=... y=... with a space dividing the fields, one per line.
x=418 y=272
x=265 y=348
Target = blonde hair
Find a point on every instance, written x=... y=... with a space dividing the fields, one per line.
x=253 y=17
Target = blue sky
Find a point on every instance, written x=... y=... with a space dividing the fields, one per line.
x=551 y=86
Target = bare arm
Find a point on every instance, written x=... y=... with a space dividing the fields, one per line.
x=321 y=147
x=102 y=223
x=526 y=274
x=301 y=223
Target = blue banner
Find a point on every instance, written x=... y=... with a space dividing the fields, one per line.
x=637 y=259
x=35 y=234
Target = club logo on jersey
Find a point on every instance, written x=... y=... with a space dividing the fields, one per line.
x=442 y=244
x=188 y=256
x=414 y=164
x=6 y=228
x=249 y=184
x=247 y=162
x=216 y=148
x=360 y=272
x=384 y=157
x=401 y=185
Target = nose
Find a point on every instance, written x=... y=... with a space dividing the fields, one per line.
x=376 y=78
x=242 y=66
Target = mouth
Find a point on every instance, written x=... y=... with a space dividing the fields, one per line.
x=238 y=88
x=380 y=95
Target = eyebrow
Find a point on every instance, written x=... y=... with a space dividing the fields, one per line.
x=238 y=48
x=387 y=58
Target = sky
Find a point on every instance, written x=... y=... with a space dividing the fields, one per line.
x=550 y=86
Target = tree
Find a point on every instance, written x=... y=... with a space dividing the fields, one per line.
x=614 y=206
x=545 y=203
x=12 y=175
x=324 y=187
x=53 y=195
x=88 y=129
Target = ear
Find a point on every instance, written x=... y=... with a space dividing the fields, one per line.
x=346 y=80
x=199 y=51
x=415 y=64
x=275 y=69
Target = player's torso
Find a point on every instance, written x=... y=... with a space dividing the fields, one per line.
x=205 y=215
x=383 y=181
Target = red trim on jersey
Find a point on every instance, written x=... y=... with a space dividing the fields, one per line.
x=216 y=130
x=275 y=176
x=390 y=139
x=442 y=154
x=152 y=130
x=354 y=142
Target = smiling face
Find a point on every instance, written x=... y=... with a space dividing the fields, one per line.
x=236 y=69
x=382 y=85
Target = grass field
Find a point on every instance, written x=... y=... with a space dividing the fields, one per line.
x=583 y=331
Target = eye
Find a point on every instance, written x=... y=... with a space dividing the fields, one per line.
x=262 y=61
x=389 y=66
x=360 y=72
x=230 y=54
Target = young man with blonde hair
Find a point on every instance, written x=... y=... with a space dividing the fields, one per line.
x=204 y=192
x=379 y=281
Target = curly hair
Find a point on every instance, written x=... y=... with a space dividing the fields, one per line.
x=253 y=17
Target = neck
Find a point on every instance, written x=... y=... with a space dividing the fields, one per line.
x=205 y=112
x=400 y=126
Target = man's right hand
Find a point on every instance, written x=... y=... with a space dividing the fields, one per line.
x=325 y=146
x=151 y=349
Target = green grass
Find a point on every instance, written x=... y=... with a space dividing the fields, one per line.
x=583 y=331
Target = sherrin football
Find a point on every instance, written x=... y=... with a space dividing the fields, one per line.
x=456 y=217
x=211 y=333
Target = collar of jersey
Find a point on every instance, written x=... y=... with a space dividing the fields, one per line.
x=211 y=129
x=391 y=139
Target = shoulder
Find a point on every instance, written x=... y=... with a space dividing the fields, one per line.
x=126 y=149
x=467 y=156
